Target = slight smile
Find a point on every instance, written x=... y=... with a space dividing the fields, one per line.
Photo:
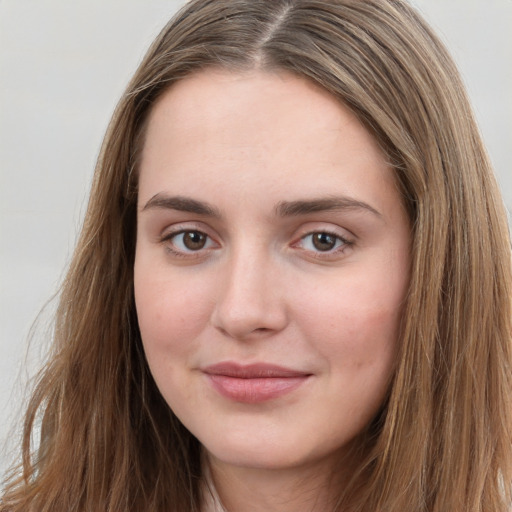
x=254 y=383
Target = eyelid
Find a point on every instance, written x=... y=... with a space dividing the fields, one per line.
x=346 y=237
x=179 y=227
x=174 y=230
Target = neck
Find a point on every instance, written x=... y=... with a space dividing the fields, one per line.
x=242 y=489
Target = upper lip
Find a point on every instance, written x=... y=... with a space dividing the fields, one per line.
x=252 y=371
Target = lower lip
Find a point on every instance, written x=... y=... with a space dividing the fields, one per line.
x=256 y=390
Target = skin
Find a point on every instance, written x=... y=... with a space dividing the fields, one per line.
x=254 y=147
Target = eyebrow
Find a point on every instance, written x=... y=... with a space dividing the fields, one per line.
x=182 y=204
x=334 y=203
x=282 y=209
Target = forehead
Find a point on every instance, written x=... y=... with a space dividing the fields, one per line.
x=206 y=101
x=264 y=130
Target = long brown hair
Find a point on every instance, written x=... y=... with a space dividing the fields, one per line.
x=108 y=441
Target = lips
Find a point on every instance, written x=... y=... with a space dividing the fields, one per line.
x=253 y=383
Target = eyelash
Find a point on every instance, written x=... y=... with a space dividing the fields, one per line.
x=341 y=242
x=168 y=238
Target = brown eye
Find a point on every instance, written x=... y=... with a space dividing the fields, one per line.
x=188 y=242
x=324 y=241
x=194 y=240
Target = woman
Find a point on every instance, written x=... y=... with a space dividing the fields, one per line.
x=292 y=287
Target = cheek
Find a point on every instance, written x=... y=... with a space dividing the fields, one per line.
x=170 y=315
x=357 y=323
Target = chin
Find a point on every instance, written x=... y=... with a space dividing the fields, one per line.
x=251 y=452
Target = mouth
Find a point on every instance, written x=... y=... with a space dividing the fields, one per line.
x=254 y=383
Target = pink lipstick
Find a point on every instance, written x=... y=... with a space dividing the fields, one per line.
x=253 y=383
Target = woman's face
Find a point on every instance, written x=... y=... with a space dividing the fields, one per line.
x=271 y=265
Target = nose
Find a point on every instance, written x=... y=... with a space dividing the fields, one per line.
x=250 y=301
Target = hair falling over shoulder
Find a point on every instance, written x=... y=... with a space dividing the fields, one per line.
x=443 y=442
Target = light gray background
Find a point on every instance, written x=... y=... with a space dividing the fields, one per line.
x=63 y=65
